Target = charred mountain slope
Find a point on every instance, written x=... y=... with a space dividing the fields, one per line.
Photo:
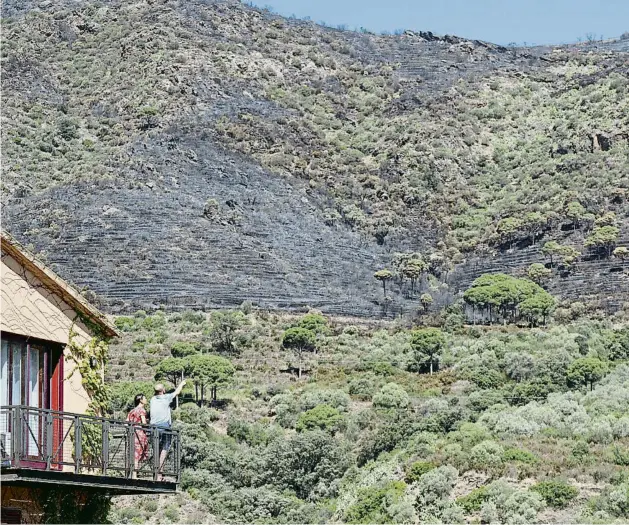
x=205 y=153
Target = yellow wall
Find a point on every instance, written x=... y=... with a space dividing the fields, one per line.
x=29 y=308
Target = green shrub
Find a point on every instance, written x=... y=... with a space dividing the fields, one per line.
x=155 y=321
x=433 y=496
x=322 y=417
x=362 y=387
x=486 y=455
x=380 y=368
x=469 y=435
x=126 y=324
x=473 y=501
x=486 y=379
x=193 y=317
x=151 y=506
x=372 y=503
x=254 y=434
x=580 y=450
x=129 y=515
x=533 y=390
x=212 y=414
x=506 y=504
x=172 y=513
x=183 y=349
x=306 y=463
x=335 y=398
x=417 y=469
x=391 y=395
x=68 y=129
x=616 y=501
x=557 y=493
x=522 y=456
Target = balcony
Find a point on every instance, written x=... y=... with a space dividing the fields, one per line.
x=39 y=447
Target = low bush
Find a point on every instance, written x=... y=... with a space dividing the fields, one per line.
x=556 y=493
x=372 y=503
x=417 y=469
x=473 y=501
x=322 y=417
x=362 y=387
x=521 y=456
x=183 y=349
x=391 y=395
x=486 y=455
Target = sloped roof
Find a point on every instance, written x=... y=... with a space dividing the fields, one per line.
x=55 y=283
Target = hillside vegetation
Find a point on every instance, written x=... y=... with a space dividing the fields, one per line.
x=387 y=424
x=178 y=159
x=156 y=124
x=388 y=155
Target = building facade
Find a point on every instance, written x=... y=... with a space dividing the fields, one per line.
x=54 y=432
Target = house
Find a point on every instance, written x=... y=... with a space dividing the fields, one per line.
x=55 y=436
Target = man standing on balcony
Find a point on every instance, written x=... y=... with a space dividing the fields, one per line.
x=161 y=417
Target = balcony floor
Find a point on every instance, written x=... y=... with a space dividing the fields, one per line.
x=25 y=477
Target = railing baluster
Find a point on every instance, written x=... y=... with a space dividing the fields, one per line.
x=156 y=452
x=17 y=436
x=178 y=457
x=130 y=450
x=105 y=450
x=49 y=431
x=78 y=445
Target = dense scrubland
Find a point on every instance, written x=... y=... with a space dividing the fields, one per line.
x=389 y=423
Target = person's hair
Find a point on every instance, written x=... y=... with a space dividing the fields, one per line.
x=137 y=399
x=159 y=388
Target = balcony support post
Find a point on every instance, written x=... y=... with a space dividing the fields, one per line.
x=105 y=449
x=78 y=445
x=156 y=452
x=16 y=447
x=177 y=443
x=130 y=450
x=49 y=431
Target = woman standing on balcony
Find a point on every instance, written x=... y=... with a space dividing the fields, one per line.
x=138 y=417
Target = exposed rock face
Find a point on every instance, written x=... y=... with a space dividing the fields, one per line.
x=601 y=142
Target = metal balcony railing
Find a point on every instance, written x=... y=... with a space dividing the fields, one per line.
x=49 y=440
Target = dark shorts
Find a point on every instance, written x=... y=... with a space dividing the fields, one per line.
x=165 y=436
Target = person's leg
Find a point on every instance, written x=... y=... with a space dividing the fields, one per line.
x=162 y=461
x=164 y=446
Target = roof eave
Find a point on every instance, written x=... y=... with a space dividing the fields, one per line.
x=56 y=284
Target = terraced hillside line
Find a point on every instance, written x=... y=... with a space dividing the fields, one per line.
x=603 y=279
x=146 y=248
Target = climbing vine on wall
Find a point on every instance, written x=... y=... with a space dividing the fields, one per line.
x=90 y=359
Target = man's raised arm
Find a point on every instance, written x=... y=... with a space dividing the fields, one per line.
x=179 y=388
